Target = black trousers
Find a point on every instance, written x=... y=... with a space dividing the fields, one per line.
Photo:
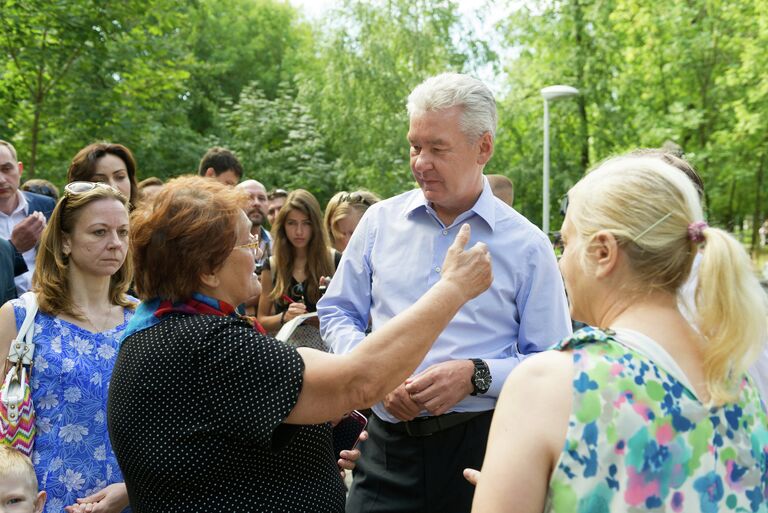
x=404 y=474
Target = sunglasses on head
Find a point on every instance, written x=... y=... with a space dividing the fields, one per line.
x=74 y=188
x=355 y=197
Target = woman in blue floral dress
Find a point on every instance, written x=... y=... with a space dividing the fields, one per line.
x=646 y=412
x=81 y=276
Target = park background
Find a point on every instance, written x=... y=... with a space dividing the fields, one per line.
x=314 y=97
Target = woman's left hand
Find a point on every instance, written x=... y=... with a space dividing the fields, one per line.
x=348 y=459
x=112 y=499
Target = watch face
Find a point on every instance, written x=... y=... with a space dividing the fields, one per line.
x=482 y=378
x=483 y=381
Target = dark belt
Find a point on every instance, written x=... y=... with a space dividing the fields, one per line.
x=426 y=426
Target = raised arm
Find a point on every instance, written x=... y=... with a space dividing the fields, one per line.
x=335 y=384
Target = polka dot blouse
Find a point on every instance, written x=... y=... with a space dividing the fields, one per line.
x=195 y=415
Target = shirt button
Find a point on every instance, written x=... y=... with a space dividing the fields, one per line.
x=437 y=269
x=445 y=232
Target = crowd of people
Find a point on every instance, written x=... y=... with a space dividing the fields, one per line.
x=158 y=382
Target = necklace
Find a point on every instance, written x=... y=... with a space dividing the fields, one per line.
x=104 y=325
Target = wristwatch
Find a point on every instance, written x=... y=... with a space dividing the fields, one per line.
x=481 y=379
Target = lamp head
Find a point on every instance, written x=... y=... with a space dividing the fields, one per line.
x=556 y=92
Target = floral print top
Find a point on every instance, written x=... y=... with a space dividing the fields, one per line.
x=70 y=382
x=639 y=440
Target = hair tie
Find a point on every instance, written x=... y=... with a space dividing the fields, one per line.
x=696 y=231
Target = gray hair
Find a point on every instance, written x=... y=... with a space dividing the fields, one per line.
x=449 y=90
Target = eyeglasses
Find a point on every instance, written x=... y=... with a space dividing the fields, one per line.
x=75 y=188
x=254 y=245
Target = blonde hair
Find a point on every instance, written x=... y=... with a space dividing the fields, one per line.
x=51 y=277
x=319 y=256
x=15 y=464
x=340 y=206
x=648 y=206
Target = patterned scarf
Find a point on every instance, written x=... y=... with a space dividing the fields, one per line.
x=154 y=311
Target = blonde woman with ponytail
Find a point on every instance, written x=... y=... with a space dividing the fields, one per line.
x=641 y=411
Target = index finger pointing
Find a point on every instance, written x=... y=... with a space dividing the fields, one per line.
x=462 y=237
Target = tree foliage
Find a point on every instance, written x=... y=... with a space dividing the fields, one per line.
x=650 y=73
x=321 y=104
x=279 y=142
x=366 y=64
x=83 y=70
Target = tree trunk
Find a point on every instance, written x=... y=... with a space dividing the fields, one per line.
x=581 y=101
x=729 y=221
x=757 y=219
x=30 y=168
x=39 y=98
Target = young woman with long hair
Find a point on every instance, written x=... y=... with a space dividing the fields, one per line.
x=301 y=257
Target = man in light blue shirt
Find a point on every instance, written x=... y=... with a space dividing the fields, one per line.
x=436 y=423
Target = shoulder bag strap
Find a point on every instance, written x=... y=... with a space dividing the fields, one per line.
x=23 y=347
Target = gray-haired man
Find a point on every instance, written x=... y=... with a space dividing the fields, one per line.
x=436 y=423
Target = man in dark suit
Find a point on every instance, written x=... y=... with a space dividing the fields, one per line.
x=23 y=216
x=7 y=285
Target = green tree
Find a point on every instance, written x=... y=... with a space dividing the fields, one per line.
x=236 y=43
x=649 y=73
x=89 y=70
x=278 y=141
x=743 y=143
x=366 y=63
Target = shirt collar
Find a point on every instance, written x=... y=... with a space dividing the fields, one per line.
x=484 y=207
x=23 y=205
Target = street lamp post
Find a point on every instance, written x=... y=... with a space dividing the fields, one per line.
x=555 y=92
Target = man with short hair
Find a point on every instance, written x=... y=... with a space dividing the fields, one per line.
x=23 y=216
x=257 y=214
x=436 y=424
x=7 y=272
x=276 y=199
x=222 y=165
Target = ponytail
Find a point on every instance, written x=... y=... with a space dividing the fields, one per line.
x=732 y=311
